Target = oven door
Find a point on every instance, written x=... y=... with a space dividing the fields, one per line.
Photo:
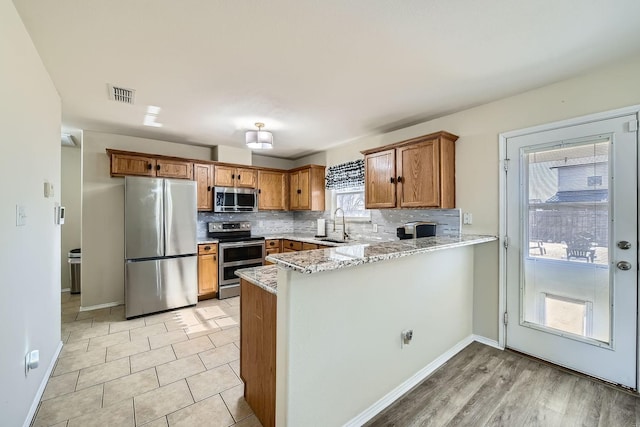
x=234 y=256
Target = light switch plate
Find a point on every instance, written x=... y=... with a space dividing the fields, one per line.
x=21 y=216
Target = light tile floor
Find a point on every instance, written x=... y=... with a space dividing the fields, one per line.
x=179 y=368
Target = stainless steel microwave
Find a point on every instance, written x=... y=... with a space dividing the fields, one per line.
x=231 y=199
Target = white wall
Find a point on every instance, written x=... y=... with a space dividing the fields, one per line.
x=271 y=162
x=103 y=211
x=228 y=154
x=71 y=197
x=338 y=332
x=30 y=254
x=477 y=164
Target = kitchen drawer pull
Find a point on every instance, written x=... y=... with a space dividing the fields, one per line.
x=392 y=180
x=233 y=176
x=207 y=248
x=238 y=177
x=209 y=188
x=149 y=166
x=157 y=167
x=399 y=179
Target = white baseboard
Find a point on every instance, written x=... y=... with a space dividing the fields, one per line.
x=397 y=392
x=43 y=385
x=99 y=306
x=487 y=341
x=65 y=290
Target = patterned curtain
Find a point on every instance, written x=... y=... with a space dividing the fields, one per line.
x=346 y=175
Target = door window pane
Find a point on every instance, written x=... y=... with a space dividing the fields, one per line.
x=566 y=236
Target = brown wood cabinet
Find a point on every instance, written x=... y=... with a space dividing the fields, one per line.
x=125 y=163
x=309 y=246
x=174 y=169
x=203 y=175
x=417 y=173
x=272 y=246
x=306 y=188
x=230 y=176
x=292 y=245
x=207 y=271
x=258 y=318
x=272 y=190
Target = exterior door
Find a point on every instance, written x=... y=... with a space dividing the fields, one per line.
x=572 y=256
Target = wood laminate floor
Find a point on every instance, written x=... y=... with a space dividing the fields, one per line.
x=483 y=386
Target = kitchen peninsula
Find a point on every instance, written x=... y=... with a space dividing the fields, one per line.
x=334 y=318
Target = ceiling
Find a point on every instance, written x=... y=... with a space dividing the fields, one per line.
x=318 y=73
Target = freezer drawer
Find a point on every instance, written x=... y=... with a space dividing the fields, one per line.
x=160 y=284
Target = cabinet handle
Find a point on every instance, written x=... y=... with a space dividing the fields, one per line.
x=259 y=191
x=206 y=248
x=392 y=180
x=238 y=177
x=209 y=188
x=157 y=167
x=399 y=179
x=214 y=258
x=149 y=166
x=233 y=176
x=299 y=191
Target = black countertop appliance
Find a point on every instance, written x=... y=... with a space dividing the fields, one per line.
x=416 y=230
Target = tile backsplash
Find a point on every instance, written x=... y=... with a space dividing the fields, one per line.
x=275 y=222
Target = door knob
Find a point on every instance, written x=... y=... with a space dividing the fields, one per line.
x=623 y=244
x=624 y=265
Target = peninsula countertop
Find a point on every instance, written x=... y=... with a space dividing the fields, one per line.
x=316 y=261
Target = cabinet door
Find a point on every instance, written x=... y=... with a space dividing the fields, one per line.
x=123 y=164
x=247 y=178
x=271 y=189
x=309 y=246
x=225 y=176
x=203 y=175
x=418 y=175
x=207 y=275
x=380 y=177
x=291 y=245
x=273 y=245
x=294 y=191
x=304 y=196
x=174 y=169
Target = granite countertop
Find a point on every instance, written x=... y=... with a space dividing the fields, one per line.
x=265 y=277
x=319 y=260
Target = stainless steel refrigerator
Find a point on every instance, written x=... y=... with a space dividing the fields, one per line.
x=161 y=267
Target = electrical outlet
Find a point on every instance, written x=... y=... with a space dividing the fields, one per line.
x=467 y=218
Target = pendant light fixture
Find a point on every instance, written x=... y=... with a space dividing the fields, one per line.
x=259 y=139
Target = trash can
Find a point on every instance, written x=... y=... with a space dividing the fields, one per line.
x=75 y=262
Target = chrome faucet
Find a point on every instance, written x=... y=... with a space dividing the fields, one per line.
x=345 y=236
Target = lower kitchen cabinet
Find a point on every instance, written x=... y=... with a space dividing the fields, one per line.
x=258 y=350
x=207 y=271
x=272 y=246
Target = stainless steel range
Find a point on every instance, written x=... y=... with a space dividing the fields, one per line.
x=237 y=249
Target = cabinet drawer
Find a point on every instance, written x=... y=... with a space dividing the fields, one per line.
x=292 y=245
x=309 y=246
x=271 y=251
x=209 y=248
x=272 y=244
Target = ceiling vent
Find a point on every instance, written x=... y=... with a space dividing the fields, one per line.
x=121 y=94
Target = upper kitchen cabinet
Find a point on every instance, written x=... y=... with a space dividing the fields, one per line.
x=203 y=175
x=272 y=190
x=231 y=176
x=306 y=188
x=417 y=173
x=174 y=169
x=130 y=163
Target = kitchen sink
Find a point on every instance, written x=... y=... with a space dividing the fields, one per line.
x=333 y=240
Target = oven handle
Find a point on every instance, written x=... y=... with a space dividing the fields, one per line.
x=244 y=244
x=243 y=262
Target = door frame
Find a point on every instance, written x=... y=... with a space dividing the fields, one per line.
x=502 y=265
